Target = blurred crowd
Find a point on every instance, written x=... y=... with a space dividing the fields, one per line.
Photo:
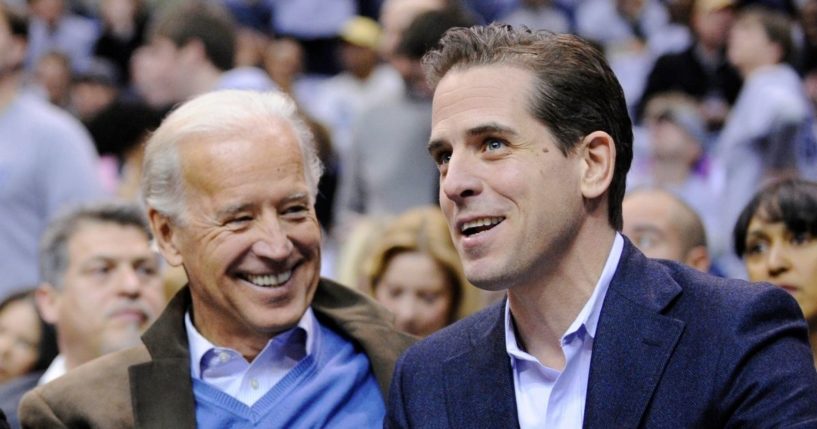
x=722 y=95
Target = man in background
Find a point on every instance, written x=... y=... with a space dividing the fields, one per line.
x=662 y=226
x=101 y=282
x=47 y=161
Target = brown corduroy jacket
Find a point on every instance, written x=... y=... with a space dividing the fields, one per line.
x=149 y=386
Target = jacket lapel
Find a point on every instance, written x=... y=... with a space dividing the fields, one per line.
x=633 y=343
x=479 y=382
x=161 y=389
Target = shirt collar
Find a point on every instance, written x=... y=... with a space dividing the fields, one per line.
x=588 y=317
x=199 y=345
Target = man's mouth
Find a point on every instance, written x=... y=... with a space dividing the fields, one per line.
x=477 y=226
x=267 y=280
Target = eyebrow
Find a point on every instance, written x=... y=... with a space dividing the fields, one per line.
x=489 y=128
x=232 y=209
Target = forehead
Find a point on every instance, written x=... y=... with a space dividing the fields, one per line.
x=648 y=208
x=759 y=226
x=264 y=157
x=93 y=237
x=476 y=94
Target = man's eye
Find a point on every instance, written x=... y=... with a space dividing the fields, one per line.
x=296 y=210
x=494 y=144
x=442 y=158
x=240 y=220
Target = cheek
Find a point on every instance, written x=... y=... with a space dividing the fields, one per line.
x=756 y=270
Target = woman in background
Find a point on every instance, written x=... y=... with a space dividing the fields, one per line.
x=27 y=346
x=776 y=236
x=415 y=272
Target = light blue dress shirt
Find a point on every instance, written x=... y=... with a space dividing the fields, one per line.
x=545 y=397
x=227 y=370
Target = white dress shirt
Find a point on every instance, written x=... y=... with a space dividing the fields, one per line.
x=228 y=371
x=545 y=397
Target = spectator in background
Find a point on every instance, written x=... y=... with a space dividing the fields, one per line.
x=124 y=24
x=47 y=161
x=702 y=70
x=93 y=90
x=363 y=83
x=52 y=77
x=397 y=15
x=776 y=236
x=415 y=272
x=101 y=282
x=27 y=347
x=769 y=132
x=663 y=226
x=387 y=170
x=675 y=159
x=190 y=51
x=54 y=28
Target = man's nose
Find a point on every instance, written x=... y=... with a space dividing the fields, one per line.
x=461 y=179
x=129 y=280
x=272 y=241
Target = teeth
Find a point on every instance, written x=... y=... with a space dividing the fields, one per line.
x=269 y=279
x=487 y=221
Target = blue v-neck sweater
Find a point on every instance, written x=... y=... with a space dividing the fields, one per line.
x=332 y=388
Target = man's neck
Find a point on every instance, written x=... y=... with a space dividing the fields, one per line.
x=543 y=312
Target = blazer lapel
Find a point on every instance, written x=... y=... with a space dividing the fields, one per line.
x=161 y=389
x=633 y=343
x=479 y=382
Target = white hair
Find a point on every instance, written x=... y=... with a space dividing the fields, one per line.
x=226 y=113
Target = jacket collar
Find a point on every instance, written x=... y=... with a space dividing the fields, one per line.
x=167 y=375
x=633 y=344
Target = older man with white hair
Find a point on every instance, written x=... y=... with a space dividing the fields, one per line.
x=256 y=339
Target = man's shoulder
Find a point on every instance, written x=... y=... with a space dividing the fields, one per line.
x=97 y=391
x=721 y=304
x=458 y=338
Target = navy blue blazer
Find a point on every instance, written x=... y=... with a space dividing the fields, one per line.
x=674 y=348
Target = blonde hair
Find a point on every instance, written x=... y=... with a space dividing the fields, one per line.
x=423 y=230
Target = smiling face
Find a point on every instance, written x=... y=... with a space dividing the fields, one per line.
x=249 y=239
x=512 y=199
x=777 y=255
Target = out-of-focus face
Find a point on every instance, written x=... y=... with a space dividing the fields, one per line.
x=118 y=12
x=418 y=291
x=111 y=292
x=53 y=74
x=512 y=199
x=748 y=45
x=670 y=142
x=47 y=10
x=19 y=339
x=776 y=255
x=156 y=68
x=648 y=224
x=358 y=60
x=712 y=27
x=250 y=238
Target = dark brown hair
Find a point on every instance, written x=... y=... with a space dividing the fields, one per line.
x=575 y=93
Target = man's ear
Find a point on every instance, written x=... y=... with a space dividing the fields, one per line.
x=698 y=258
x=598 y=153
x=47 y=298
x=164 y=232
